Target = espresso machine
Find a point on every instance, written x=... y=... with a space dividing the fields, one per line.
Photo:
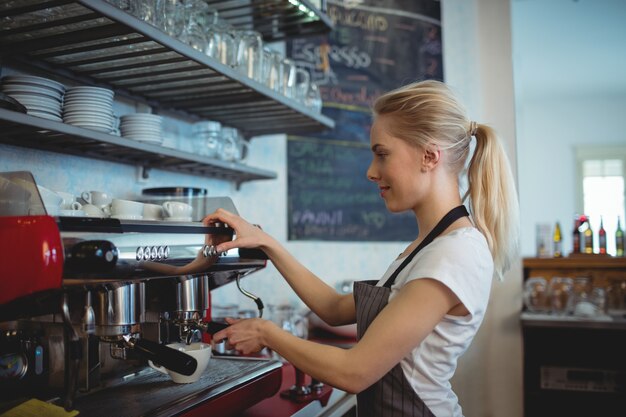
x=86 y=302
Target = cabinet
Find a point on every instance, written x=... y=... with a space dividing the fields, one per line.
x=95 y=43
x=575 y=366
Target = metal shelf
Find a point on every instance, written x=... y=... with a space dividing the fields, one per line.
x=33 y=132
x=274 y=19
x=94 y=42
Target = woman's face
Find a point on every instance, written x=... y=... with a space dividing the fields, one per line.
x=395 y=168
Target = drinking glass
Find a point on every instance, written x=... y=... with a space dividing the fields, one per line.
x=223 y=38
x=301 y=84
x=286 y=317
x=229 y=146
x=170 y=16
x=561 y=290
x=289 y=78
x=144 y=10
x=272 y=74
x=536 y=297
x=193 y=33
x=616 y=298
x=314 y=98
x=208 y=134
x=250 y=54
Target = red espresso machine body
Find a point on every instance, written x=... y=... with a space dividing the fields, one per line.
x=32 y=256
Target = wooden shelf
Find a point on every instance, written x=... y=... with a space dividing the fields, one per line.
x=577 y=261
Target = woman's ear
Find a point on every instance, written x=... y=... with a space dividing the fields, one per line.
x=431 y=157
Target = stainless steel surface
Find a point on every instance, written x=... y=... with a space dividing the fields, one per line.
x=192 y=295
x=151 y=393
x=118 y=306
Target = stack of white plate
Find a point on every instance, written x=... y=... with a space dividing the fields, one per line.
x=89 y=107
x=143 y=127
x=41 y=97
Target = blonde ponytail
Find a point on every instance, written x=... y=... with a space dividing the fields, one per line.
x=493 y=199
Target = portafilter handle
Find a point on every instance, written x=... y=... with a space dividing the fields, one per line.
x=169 y=358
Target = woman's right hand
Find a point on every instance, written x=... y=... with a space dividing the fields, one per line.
x=248 y=235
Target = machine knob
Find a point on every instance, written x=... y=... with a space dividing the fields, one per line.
x=139 y=253
x=160 y=253
x=166 y=252
x=146 y=253
x=92 y=255
x=209 y=250
x=154 y=253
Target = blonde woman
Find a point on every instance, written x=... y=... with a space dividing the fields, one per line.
x=421 y=316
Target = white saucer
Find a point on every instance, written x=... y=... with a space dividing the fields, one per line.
x=126 y=217
x=72 y=213
x=177 y=219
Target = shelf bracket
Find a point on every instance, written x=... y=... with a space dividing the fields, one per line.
x=144 y=173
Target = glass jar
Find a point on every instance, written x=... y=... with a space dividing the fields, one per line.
x=229 y=145
x=208 y=136
x=536 y=295
x=560 y=292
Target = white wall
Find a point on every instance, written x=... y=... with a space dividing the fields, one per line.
x=477 y=53
x=570 y=90
x=549 y=130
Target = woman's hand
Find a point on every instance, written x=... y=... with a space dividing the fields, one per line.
x=248 y=235
x=246 y=336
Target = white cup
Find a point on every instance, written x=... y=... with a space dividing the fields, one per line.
x=97 y=198
x=126 y=208
x=152 y=211
x=177 y=209
x=200 y=351
x=92 y=211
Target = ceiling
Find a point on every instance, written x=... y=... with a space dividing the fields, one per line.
x=569 y=47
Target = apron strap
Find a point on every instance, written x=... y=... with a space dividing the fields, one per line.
x=452 y=216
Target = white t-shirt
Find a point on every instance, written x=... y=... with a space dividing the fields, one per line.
x=461 y=260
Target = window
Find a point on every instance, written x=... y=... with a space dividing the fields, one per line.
x=601 y=172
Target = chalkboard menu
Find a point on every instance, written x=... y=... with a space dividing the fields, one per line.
x=330 y=197
x=376 y=46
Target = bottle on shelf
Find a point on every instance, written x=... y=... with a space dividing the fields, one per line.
x=588 y=237
x=602 y=238
x=619 y=239
x=557 y=241
x=576 y=235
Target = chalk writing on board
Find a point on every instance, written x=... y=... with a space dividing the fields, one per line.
x=330 y=197
x=375 y=46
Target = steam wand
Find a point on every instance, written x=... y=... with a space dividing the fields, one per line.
x=257 y=300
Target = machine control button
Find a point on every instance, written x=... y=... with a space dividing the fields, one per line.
x=160 y=252
x=166 y=252
x=154 y=253
x=209 y=250
x=139 y=253
x=146 y=253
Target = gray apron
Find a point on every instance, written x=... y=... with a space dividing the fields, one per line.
x=392 y=395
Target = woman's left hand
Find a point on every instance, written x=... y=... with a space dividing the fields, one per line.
x=246 y=335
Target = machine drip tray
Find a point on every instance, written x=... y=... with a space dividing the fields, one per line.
x=151 y=393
